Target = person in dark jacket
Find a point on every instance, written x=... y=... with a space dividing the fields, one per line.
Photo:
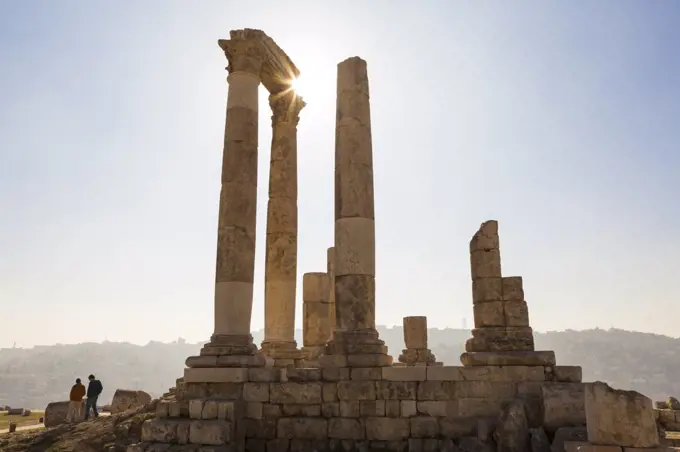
x=94 y=388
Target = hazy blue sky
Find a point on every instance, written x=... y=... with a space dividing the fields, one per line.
x=559 y=119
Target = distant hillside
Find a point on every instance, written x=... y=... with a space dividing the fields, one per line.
x=31 y=378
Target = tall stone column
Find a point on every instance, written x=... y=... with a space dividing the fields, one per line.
x=232 y=344
x=330 y=270
x=355 y=341
x=282 y=229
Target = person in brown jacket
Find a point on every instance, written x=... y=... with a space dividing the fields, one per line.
x=75 y=404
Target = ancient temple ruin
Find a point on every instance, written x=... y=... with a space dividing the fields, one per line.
x=341 y=391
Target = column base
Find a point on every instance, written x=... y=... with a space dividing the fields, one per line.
x=282 y=354
x=417 y=357
x=356 y=348
x=228 y=351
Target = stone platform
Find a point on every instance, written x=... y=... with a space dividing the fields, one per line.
x=341 y=408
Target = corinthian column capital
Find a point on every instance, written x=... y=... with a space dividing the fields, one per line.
x=243 y=55
x=286 y=107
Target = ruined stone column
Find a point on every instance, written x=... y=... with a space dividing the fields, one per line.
x=330 y=270
x=502 y=335
x=355 y=341
x=232 y=344
x=282 y=228
x=316 y=324
x=416 y=352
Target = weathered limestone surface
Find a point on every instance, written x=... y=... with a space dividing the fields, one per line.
x=416 y=352
x=55 y=413
x=619 y=418
x=282 y=229
x=355 y=341
x=316 y=325
x=125 y=399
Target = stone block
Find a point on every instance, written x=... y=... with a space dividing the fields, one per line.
x=404 y=373
x=568 y=374
x=225 y=391
x=387 y=429
x=229 y=410
x=485 y=264
x=211 y=433
x=507 y=338
x=332 y=360
x=516 y=373
x=621 y=418
x=374 y=408
x=516 y=313
x=424 y=427
x=335 y=373
x=257 y=428
x=254 y=410
x=330 y=392
x=457 y=427
x=271 y=410
x=369 y=360
x=496 y=390
x=302 y=374
x=409 y=408
x=301 y=410
x=563 y=405
x=264 y=374
x=366 y=373
x=392 y=408
x=444 y=373
x=513 y=288
x=346 y=428
x=256 y=392
x=302 y=428
x=480 y=407
x=487 y=289
x=397 y=390
x=183 y=431
x=209 y=410
x=329 y=410
x=159 y=430
x=292 y=392
x=174 y=409
x=438 y=408
x=162 y=409
x=415 y=332
x=436 y=390
x=356 y=390
x=350 y=409
x=508 y=358
x=196 y=408
x=489 y=314
x=215 y=375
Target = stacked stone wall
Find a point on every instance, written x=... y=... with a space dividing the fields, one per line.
x=393 y=408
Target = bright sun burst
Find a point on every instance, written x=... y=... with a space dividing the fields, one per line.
x=298 y=86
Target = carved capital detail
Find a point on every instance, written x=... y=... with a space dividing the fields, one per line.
x=286 y=107
x=243 y=55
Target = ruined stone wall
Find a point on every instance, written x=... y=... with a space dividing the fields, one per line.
x=388 y=407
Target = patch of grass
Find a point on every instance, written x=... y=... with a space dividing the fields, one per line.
x=32 y=419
